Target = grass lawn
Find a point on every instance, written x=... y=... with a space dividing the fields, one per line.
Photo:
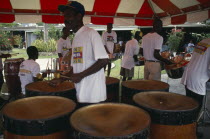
x=138 y=71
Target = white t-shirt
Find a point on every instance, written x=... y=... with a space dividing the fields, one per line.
x=28 y=70
x=150 y=42
x=131 y=49
x=87 y=48
x=63 y=46
x=197 y=72
x=109 y=39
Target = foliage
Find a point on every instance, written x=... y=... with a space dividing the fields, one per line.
x=134 y=31
x=9 y=24
x=174 y=40
x=5 y=41
x=17 y=39
x=54 y=33
x=49 y=46
x=199 y=37
x=39 y=34
x=40 y=24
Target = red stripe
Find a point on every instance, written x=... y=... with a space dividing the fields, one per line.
x=51 y=6
x=5 y=6
x=143 y=22
x=192 y=8
x=178 y=19
x=52 y=19
x=101 y=20
x=167 y=6
x=145 y=10
x=106 y=7
x=7 y=18
x=24 y=11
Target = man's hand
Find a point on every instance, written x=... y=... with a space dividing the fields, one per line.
x=76 y=78
x=55 y=82
x=168 y=62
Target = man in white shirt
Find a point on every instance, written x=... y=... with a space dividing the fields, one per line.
x=128 y=63
x=63 y=46
x=88 y=56
x=196 y=73
x=109 y=39
x=29 y=68
x=151 y=45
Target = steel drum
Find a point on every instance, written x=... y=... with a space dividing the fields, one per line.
x=41 y=117
x=130 y=88
x=173 y=116
x=42 y=88
x=110 y=121
x=112 y=89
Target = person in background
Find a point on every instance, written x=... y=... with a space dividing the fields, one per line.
x=190 y=47
x=29 y=69
x=63 y=44
x=1 y=68
x=88 y=57
x=109 y=39
x=151 y=45
x=128 y=61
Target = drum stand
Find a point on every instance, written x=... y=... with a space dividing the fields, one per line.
x=204 y=111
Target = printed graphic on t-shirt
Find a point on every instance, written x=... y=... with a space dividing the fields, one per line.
x=77 y=55
x=110 y=38
x=64 y=48
x=201 y=48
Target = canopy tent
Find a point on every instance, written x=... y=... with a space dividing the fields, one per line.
x=101 y=12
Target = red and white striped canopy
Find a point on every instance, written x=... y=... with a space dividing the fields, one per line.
x=101 y=12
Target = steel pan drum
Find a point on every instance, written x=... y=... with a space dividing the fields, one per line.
x=130 y=88
x=112 y=89
x=11 y=70
x=41 y=117
x=173 y=115
x=173 y=71
x=110 y=121
x=42 y=88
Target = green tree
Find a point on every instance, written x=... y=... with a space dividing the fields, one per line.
x=5 y=41
x=54 y=33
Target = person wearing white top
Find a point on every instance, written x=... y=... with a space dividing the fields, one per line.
x=109 y=39
x=128 y=62
x=151 y=45
x=88 y=57
x=196 y=73
x=64 y=43
x=29 y=68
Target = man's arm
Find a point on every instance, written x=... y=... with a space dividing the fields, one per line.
x=159 y=57
x=60 y=55
x=106 y=49
x=100 y=63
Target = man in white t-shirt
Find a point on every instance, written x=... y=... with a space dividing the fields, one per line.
x=88 y=56
x=63 y=46
x=151 y=45
x=128 y=63
x=29 y=68
x=196 y=73
x=109 y=39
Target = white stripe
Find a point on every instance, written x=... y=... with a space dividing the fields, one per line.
x=197 y=17
x=124 y=22
x=166 y=21
x=156 y=8
x=130 y=6
x=184 y=3
x=28 y=18
x=88 y=4
x=86 y=20
x=26 y=4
